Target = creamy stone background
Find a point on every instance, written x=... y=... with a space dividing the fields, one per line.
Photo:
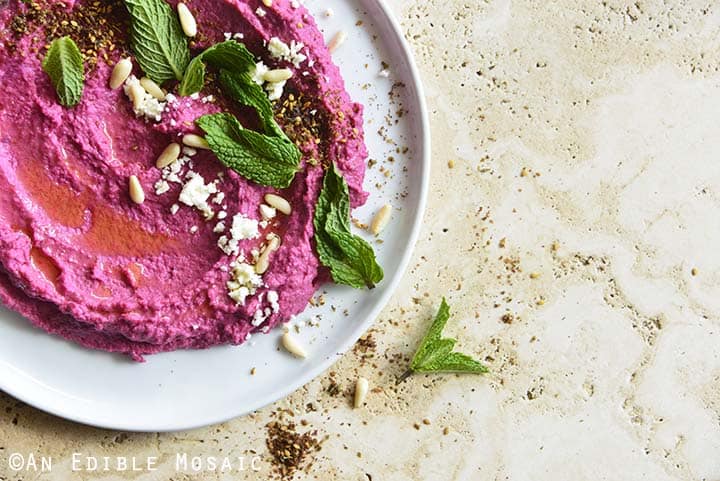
x=609 y=369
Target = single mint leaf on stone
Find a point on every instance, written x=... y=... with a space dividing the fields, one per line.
x=160 y=46
x=64 y=65
x=229 y=55
x=350 y=259
x=263 y=159
x=435 y=353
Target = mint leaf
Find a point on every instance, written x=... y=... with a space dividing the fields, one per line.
x=241 y=88
x=350 y=259
x=229 y=55
x=263 y=159
x=157 y=39
x=435 y=353
x=64 y=65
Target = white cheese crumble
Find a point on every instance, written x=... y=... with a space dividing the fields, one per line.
x=161 y=186
x=273 y=89
x=260 y=12
x=242 y=228
x=280 y=50
x=148 y=106
x=267 y=212
x=174 y=209
x=243 y=282
x=195 y=193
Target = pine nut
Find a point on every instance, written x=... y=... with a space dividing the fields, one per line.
x=292 y=346
x=277 y=75
x=152 y=88
x=337 y=40
x=187 y=20
x=195 y=141
x=361 y=391
x=137 y=95
x=137 y=194
x=120 y=73
x=168 y=156
x=263 y=262
x=267 y=3
x=381 y=219
x=278 y=203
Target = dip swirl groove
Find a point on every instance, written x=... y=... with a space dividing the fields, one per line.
x=80 y=259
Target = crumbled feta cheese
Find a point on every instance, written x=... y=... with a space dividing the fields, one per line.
x=275 y=89
x=267 y=212
x=174 y=209
x=243 y=282
x=219 y=197
x=258 y=74
x=195 y=193
x=219 y=227
x=148 y=106
x=273 y=298
x=280 y=50
x=244 y=228
x=295 y=4
x=260 y=12
x=193 y=229
x=189 y=151
x=161 y=186
x=222 y=214
x=227 y=35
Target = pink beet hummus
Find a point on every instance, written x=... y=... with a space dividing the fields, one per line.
x=79 y=259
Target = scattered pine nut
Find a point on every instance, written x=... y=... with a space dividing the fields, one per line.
x=120 y=73
x=152 y=88
x=361 y=390
x=263 y=262
x=267 y=3
x=694 y=271
x=292 y=346
x=195 y=141
x=337 y=40
x=381 y=219
x=277 y=75
x=137 y=194
x=187 y=20
x=168 y=156
x=137 y=95
x=534 y=275
x=277 y=202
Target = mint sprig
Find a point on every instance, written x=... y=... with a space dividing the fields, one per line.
x=350 y=259
x=229 y=55
x=435 y=353
x=64 y=65
x=157 y=39
x=267 y=160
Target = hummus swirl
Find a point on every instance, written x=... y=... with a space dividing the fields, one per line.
x=80 y=259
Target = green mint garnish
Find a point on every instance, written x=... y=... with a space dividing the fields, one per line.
x=350 y=259
x=267 y=157
x=64 y=65
x=267 y=160
x=157 y=39
x=229 y=55
x=435 y=353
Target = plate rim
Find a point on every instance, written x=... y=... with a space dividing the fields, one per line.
x=350 y=339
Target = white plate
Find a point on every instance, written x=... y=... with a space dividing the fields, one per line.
x=188 y=389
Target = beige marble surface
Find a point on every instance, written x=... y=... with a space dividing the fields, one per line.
x=586 y=135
